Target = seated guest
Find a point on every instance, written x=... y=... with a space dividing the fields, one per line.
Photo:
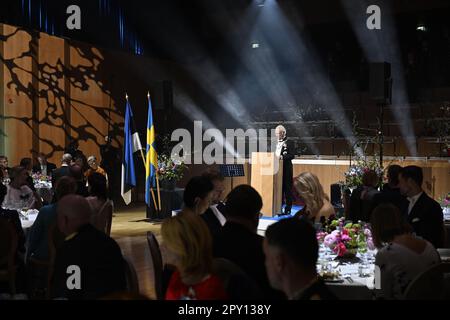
x=19 y=195
x=317 y=204
x=63 y=170
x=362 y=197
x=97 y=198
x=13 y=217
x=97 y=255
x=291 y=251
x=4 y=166
x=401 y=255
x=76 y=172
x=190 y=248
x=424 y=214
x=197 y=195
x=44 y=167
x=238 y=240
x=213 y=216
x=94 y=167
x=391 y=191
x=28 y=165
x=38 y=238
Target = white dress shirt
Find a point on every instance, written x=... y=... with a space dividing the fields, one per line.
x=279 y=148
x=218 y=215
x=412 y=201
x=44 y=170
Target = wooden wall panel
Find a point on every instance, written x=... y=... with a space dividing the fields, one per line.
x=17 y=92
x=88 y=101
x=52 y=97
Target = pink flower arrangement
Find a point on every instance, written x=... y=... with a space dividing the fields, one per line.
x=347 y=239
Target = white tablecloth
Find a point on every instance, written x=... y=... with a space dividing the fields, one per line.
x=355 y=281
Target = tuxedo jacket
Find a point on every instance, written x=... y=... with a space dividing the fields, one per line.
x=59 y=173
x=288 y=155
x=427 y=220
x=50 y=168
x=100 y=261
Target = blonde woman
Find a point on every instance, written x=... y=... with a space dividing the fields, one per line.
x=189 y=245
x=317 y=203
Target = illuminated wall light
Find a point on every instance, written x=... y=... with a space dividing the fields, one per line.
x=255 y=45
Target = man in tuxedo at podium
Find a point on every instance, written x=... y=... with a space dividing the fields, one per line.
x=284 y=151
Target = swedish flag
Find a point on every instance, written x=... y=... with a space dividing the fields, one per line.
x=151 y=161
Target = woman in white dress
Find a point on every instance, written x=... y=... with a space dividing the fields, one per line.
x=401 y=255
x=19 y=196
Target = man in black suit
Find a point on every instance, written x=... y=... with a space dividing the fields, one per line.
x=76 y=172
x=284 y=151
x=391 y=191
x=214 y=216
x=44 y=167
x=424 y=214
x=63 y=170
x=238 y=240
x=89 y=265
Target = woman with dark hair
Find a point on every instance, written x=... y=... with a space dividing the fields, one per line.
x=198 y=195
x=27 y=163
x=402 y=255
x=98 y=198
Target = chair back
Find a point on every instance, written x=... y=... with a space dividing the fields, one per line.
x=131 y=277
x=8 y=250
x=157 y=263
x=429 y=285
x=8 y=242
x=103 y=218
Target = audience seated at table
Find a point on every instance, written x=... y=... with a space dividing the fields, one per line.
x=98 y=196
x=19 y=195
x=401 y=255
x=424 y=214
x=98 y=256
x=391 y=191
x=44 y=167
x=189 y=244
x=238 y=240
x=197 y=195
x=362 y=197
x=38 y=238
x=214 y=216
x=291 y=251
x=63 y=170
x=317 y=204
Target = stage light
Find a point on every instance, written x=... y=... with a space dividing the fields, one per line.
x=260 y=3
x=255 y=45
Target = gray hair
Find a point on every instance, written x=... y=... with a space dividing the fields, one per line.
x=92 y=158
x=66 y=158
x=281 y=128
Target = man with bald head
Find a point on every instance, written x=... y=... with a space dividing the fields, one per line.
x=63 y=170
x=88 y=253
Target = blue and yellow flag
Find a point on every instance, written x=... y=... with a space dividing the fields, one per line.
x=151 y=161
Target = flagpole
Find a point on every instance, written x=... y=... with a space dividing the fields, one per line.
x=156 y=174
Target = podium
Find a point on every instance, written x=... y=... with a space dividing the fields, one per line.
x=267 y=179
